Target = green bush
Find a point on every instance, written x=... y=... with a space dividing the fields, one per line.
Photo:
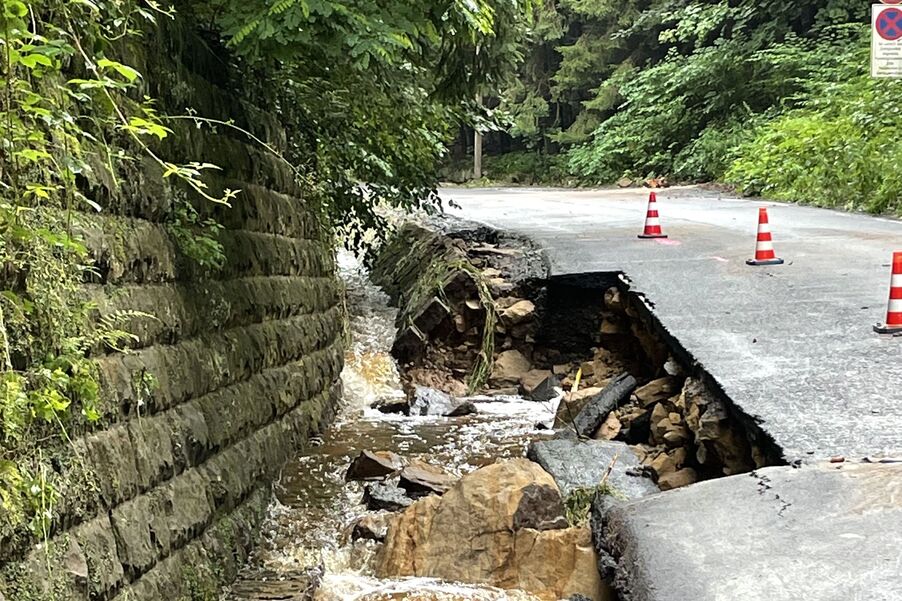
x=838 y=148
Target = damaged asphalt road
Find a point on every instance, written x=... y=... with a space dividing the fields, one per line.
x=826 y=532
x=791 y=345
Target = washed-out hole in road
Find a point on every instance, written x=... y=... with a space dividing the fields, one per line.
x=425 y=458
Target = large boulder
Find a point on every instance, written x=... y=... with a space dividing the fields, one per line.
x=574 y=465
x=502 y=525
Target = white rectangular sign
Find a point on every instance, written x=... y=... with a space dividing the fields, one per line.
x=886 y=41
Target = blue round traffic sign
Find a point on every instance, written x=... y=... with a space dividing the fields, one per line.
x=889 y=24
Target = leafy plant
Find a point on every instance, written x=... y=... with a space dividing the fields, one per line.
x=197 y=237
x=70 y=108
x=369 y=92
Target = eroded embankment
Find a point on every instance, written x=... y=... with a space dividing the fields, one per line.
x=480 y=314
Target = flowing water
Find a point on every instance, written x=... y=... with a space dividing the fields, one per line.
x=310 y=521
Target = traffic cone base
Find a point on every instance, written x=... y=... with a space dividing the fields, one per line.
x=650 y=236
x=764 y=262
x=882 y=328
x=893 y=323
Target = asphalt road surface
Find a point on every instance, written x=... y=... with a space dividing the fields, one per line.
x=792 y=345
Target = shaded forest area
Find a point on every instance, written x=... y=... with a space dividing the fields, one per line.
x=772 y=97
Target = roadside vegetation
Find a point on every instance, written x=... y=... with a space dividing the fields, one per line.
x=774 y=98
x=367 y=92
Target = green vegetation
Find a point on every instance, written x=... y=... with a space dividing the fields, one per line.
x=773 y=97
x=370 y=92
x=367 y=93
x=578 y=504
x=67 y=119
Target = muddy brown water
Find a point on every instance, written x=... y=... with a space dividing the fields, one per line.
x=309 y=524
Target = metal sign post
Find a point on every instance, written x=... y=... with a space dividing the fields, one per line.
x=886 y=40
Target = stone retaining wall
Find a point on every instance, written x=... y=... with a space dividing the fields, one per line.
x=162 y=499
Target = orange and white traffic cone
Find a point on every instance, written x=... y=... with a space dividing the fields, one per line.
x=652 y=222
x=764 y=250
x=893 y=323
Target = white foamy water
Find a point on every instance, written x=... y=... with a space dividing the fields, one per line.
x=309 y=523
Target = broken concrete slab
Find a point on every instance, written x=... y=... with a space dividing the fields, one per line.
x=819 y=533
x=575 y=465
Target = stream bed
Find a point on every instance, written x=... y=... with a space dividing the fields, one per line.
x=306 y=546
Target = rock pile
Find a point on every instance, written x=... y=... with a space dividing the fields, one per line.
x=678 y=427
x=394 y=482
x=547 y=337
x=451 y=287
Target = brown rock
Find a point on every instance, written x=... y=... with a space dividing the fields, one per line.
x=677 y=436
x=369 y=465
x=605 y=365
x=657 y=391
x=509 y=368
x=659 y=429
x=518 y=313
x=613 y=300
x=531 y=379
x=499 y=286
x=609 y=429
x=481 y=532
x=669 y=462
x=561 y=369
x=683 y=477
x=372 y=526
x=612 y=327
x=420 y=479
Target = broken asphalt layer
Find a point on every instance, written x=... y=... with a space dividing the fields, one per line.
x=791 y=345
